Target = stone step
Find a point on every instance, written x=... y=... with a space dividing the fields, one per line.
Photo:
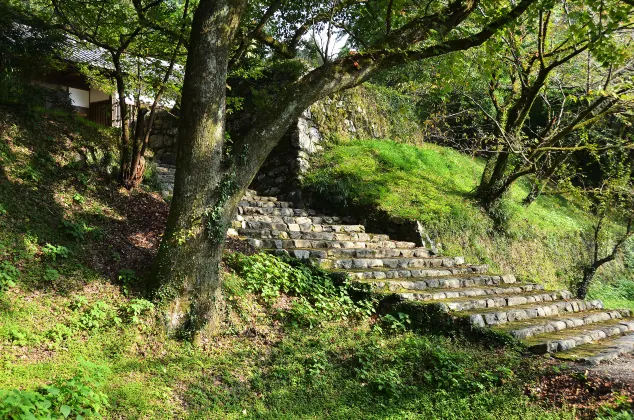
x=386 y=273
x=162 y=169
x=452 y=293
x=334 y=246
x=529 y=328
x=276 y=211
x=573 y=337
x=298 y=220
x=360 y=263
x=440 y=282
x=328 y=260
x=314 y=236
x=334 y=253
x=255 y=203
x=253 y=196
x=296 y=228
x=501 y=301
x=605 y=350
x=545 y=308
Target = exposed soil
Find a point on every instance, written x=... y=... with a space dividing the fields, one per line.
x=130 y=243
x=133 y=242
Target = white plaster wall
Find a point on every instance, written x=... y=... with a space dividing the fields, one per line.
x=79 y=97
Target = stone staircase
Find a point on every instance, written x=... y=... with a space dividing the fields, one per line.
x=545 y=321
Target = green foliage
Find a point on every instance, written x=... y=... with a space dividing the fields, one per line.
x=58 y=334
x=29 y=173
x=615 y=294
x=77 y=398
x=79 y=230
x=127 y=278
x=20 y=337
x=8 y=275
x=501 y=213
x=622 y=409
x=98 y=315
x=53 y=252
x=317 y=295
x=135 y=309
x=78 y=198
x=51 y=274
x=390 y=371
x=396 y=323
x=628 y=254
x=23 y=52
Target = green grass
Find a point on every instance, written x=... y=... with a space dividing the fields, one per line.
x=433 y=184
x=259 y=369
x=615 y=294
x=52 y=327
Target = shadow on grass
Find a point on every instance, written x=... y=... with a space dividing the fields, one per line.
x=52 y=196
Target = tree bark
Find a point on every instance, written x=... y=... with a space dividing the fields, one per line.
x=186 y=270
x=211 y=178
x=588 y=275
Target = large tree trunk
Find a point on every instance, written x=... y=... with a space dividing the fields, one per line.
x=211 y=178
x=186 y=270
x=584 y=285
x=493 y=180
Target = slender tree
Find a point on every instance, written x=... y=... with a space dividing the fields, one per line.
x=557 y=71
x=114 y=28
x=614 y=200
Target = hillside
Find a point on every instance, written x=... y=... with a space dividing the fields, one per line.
x=76 y=335
x=542 y=242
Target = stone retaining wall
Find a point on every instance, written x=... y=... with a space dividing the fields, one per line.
x=163 y=137
x=356 y=113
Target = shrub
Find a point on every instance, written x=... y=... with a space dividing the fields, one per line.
x=127 y=278
x=52 y=252
x=78 y=397
x=396 y=323
x=99 y=315
x=317 y=295
x=79 y=230
x=58 y=334
x=135 y=309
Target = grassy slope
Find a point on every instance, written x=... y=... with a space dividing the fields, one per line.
x=65 y=311
x=433 y=184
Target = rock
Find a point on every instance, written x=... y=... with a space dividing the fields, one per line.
x=156 y=141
